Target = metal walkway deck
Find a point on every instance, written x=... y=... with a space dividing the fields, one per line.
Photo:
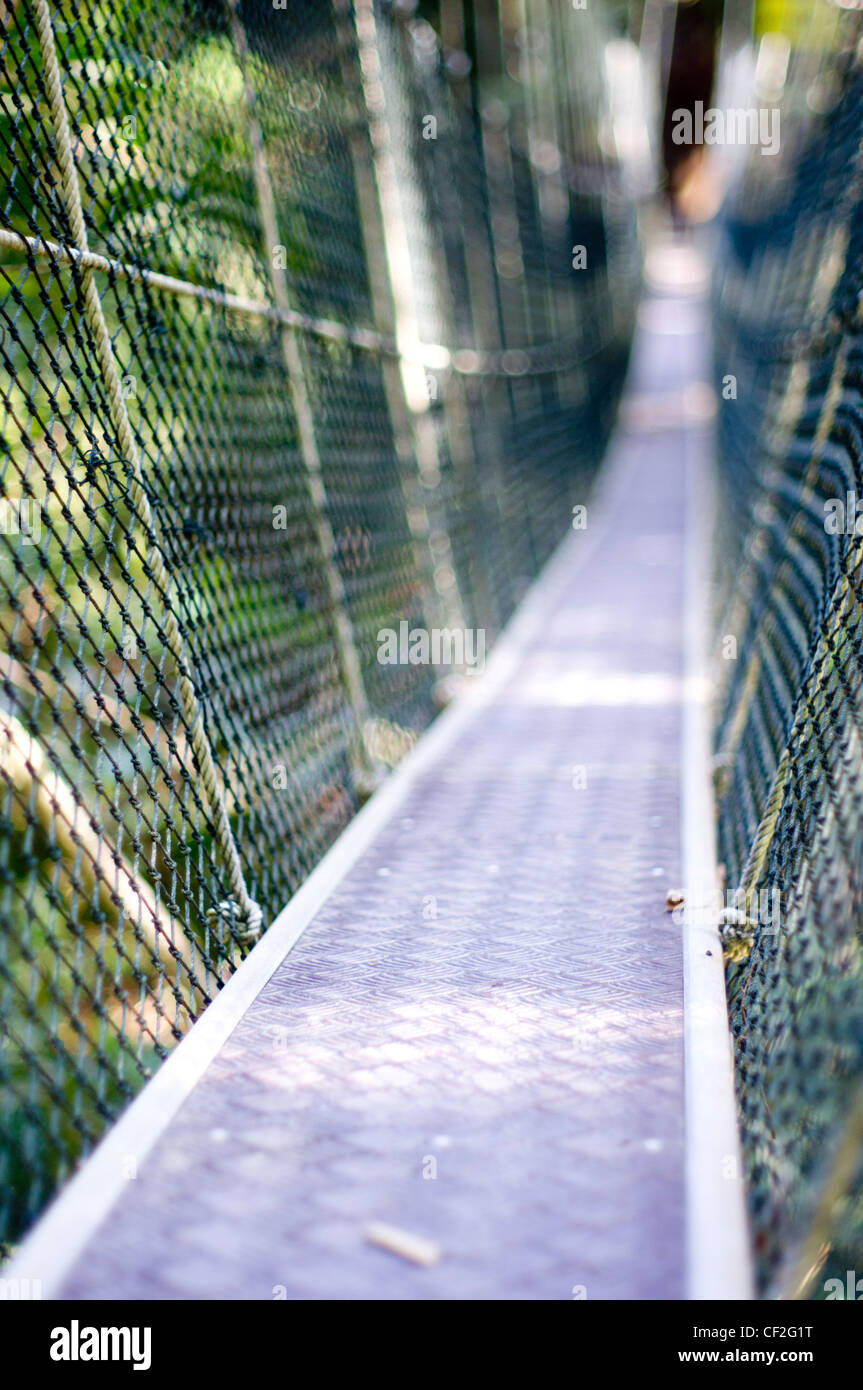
x=478 y=1038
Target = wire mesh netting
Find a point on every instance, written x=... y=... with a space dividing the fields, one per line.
x=789 y=352
x=297 y=348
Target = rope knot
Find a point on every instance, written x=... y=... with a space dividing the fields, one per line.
x=738 y=932
x=244 y=924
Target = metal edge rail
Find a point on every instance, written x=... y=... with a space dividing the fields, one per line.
x=719 y=1264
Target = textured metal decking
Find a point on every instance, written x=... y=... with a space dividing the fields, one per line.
x=479 y=1038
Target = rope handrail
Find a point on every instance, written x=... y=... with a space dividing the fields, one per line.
x=464 y=361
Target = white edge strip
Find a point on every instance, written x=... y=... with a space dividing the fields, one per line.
x=61 y=1235
x=718 y=1246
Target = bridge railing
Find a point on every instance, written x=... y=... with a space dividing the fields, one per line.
x=789 y=756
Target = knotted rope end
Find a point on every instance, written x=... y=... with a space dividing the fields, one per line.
x=244 y=924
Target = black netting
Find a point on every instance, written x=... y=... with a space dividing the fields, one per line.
x=789 y=353
x=350 y=380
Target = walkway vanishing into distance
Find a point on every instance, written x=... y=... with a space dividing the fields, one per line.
x=478 y=1039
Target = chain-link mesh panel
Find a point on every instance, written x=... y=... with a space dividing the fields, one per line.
x=295 y=355
x=789 y=350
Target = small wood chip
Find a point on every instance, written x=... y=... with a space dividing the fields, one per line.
x=414 y=1248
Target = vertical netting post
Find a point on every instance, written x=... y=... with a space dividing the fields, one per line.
x=397 y=255
x=366 y=769
x=380 y=288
